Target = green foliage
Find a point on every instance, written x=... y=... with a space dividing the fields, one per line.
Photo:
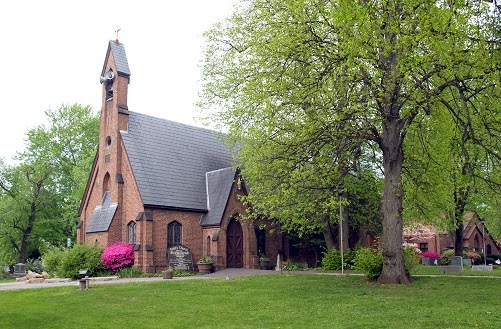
x=369 y=261
x=446 y=255
x=41 y=195
x=34 y=265
x=129 y=272
x=331 y=259
x=314 y=91
x=294 y=266
x=68 y=262
x=183 y=273
x=411 y=259
x=205 y=260
x=52 y=260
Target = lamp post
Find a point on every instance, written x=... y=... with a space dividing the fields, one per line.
x=483 y=239
x=340 y=193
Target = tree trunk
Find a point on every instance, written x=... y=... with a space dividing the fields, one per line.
x=458 y=240
x=393 y=262
x=326 y=230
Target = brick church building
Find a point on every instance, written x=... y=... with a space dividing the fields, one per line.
x=157 y=183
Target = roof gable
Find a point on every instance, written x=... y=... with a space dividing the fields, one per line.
x=219 y=185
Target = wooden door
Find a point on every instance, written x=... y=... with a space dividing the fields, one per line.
x=234 y=245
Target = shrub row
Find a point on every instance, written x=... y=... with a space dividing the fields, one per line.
x=367 y=260
x=67 y=262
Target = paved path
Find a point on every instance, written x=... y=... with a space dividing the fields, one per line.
x=228 y=273
x=225 y=273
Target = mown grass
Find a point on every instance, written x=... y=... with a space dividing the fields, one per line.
x=274 y=301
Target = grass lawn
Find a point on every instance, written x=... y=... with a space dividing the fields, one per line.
x=274 y=301
x=435 y=270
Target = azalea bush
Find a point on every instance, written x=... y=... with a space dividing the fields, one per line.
x=475 y=258
x=118 y=256
x=429 y=254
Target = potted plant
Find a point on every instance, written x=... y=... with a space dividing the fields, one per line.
x=264 y=262
x=205 y=264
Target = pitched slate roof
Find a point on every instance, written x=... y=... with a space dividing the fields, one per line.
x=120 y=57
x=170 y=160
x=219 y=184
x=102 y=215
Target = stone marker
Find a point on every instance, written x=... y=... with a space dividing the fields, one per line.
x=486 y=268
x=19 y=270
x=457 y=261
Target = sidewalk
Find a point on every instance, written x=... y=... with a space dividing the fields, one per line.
x=225 y=273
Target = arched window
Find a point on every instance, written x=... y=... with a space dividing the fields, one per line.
x=173 y=234
x=208 y=245
x=106 y=183
x=131 y=232
x=476 y=243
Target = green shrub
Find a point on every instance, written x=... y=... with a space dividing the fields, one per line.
x=68 y=262
x=446 y=256
x=350 y=255
x=331 y=260
x=183 y=273
x=129 y=272
x=411 y=259
x=34 y=265
x=369 y=261
x=52 y=259
x=291 y=266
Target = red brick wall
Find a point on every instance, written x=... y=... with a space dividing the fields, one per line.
x=191 y=235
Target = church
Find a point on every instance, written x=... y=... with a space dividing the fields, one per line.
x=157 y=184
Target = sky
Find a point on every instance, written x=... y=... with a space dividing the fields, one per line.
x=52 y=53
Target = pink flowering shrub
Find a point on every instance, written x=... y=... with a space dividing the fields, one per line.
x=429 y=254
x=118 y=256
x=475 y=258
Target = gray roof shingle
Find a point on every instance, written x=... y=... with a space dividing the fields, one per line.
x=170 y=160
x=102 y=215
x=219 y=185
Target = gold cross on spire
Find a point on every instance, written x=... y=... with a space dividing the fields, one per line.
x=116 y=31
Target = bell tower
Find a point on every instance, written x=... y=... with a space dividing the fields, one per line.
x=115 y=78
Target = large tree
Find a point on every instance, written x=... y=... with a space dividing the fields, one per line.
x=345 y=76
x=39 y=196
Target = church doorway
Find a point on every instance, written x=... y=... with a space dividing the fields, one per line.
x=234 y=245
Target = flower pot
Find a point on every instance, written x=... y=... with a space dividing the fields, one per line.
x=204 y=268
x=264 y=264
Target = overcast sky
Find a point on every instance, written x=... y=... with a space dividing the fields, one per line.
x=53 y=52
